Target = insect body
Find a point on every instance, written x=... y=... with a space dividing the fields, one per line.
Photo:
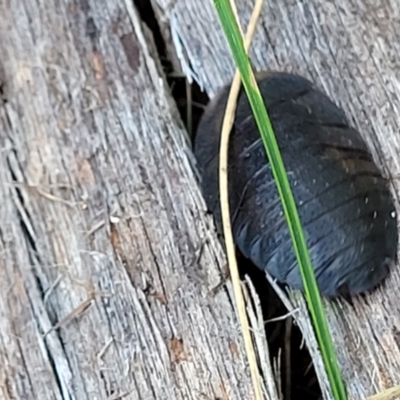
x=343 y=200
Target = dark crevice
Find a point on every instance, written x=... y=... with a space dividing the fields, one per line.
x=54 y=368
x=109 y=391
x=302 y=379
x=25 y=230
x=33 y=260
x=178 y=84
x=147 y=15
x=3 y=96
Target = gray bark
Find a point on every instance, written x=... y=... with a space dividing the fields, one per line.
x=107 y=258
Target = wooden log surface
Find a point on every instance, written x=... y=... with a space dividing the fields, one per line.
x=351 y=50
x=107 y=258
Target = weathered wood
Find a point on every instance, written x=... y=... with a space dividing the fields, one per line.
x=107 y=258
x=351 y=50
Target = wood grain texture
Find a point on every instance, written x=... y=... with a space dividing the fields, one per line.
x=107 y=258
x=351 y=51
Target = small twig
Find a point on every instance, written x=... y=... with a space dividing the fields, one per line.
x=389 y=394
x=198 y=105
x=175 y=74
x=51 y=289
x=95 y=228
x=224 y=278
x=45 y=194
x=103 y=350
x=72 y=315
x=282 y=317
x=51 y=197
x=230 y=247
x=261 y=342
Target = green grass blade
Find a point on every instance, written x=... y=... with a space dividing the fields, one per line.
x=312 y=294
